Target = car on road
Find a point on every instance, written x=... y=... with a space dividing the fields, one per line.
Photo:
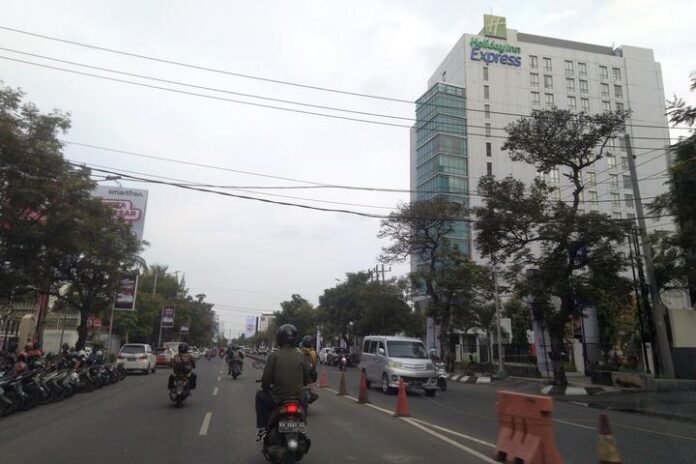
x=194 y=352
x=322 y=355
x=334 y=355
x=137 y=357
x=388 y=360
x=163 y=356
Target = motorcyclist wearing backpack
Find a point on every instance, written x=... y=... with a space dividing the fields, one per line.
x=183 y=363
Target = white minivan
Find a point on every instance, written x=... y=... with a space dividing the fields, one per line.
x=387 y=360
x=137 y=357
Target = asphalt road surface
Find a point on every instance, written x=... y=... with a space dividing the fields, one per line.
x=134 y=421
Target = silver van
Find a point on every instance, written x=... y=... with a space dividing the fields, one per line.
x=386 y=360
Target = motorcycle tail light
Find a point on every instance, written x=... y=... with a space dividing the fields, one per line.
x=292 y=408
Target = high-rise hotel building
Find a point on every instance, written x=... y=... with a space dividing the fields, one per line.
x=491 y=79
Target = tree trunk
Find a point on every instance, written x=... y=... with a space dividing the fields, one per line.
x=556 y=357
x=82 y=330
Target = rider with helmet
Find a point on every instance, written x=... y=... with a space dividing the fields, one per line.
x=284 y=376
x=234 y=355
x=307 y=349
x=183 y=363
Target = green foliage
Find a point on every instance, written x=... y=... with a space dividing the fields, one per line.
x=675 y=262
x=575 y=256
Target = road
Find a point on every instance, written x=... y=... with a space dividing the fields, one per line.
x=134 y=421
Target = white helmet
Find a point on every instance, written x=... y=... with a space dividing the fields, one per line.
x=82 y=353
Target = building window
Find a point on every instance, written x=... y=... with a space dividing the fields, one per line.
x=603 y=73
x=548 y=82
x=619 y=106
x=593 y=197
x=569 y=68
x=615 y=200
x=618 y=91
x=605 y=89
x=606 y=106
x=628 y=199
x=582 y=69
x=570 y=84
x=486 y=92
x=624 y=163
x=622 y=143
x=533 y=62
x=617 y=73
x=585 y=102
x=614 y=181
x=572 y=104
x=584 y=88
x=611 y=161
x=554 y=175
x=627 y=184
x=547 y=64
x=489 y=149
x=485 y=74
x=548 y=100
x=536 y=100
x=487 y=111
x=617 y=215
x=534 y=79
x=592 y=178
x=488 y=129
x=489 y=169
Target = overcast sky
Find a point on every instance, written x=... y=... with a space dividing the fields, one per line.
x=246 y=254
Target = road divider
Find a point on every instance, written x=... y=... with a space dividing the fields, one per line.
x=526 y=429
x=607 y=451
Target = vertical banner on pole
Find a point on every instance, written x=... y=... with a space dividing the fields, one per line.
x=127 y=292
x=167 y=321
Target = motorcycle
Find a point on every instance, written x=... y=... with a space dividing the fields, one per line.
x=286 y=440
x=440 y=371
x=180 y=391
x=235 y=370
x=343 y=362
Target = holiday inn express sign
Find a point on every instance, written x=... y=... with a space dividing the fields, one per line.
x=490 y=51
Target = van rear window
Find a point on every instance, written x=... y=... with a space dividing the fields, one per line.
x=131 y=349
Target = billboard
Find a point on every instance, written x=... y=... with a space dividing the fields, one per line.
x=250 y=326
x=128 y=204
x=126 y=293
x=167 y=317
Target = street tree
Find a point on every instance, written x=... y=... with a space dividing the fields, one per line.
x=298 y=312
x=675 y=262
x=532 y=227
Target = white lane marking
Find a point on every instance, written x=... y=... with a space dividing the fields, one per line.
x=561 y=421
x=471 y=451
x=218 y=378
x=205 y=424
x=455 y=433
x=443 y=429
x=215 y=391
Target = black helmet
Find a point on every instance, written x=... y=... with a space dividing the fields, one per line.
x=306 y=341
x=183 y=348
x=286 y=335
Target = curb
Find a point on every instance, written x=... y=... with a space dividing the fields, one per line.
x=469 y=378
x=629 y=410
x=553 y=390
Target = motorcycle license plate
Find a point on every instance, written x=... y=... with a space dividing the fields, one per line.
x=291 y=427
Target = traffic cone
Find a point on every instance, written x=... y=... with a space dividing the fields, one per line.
x=362 y=397
x=324 y=378
x=607 y=451
x=402 y=409
x=342 y=389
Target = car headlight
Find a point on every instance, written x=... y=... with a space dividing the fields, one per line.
x=430 y=366
x=394 y=364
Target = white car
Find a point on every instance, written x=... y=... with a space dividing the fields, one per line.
x=137 y=357
x=322 y=355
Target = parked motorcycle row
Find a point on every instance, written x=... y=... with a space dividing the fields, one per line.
x=27 y=383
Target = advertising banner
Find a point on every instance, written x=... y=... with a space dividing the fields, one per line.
x=126 y=293
x=250 y=326
x=167 y=317
x=128 y=204
x=184 y=330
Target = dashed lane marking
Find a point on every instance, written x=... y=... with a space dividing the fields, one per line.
x=218 y=378
x=205 y=424
x=215 y=391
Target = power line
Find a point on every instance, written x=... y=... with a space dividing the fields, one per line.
x=421 y=124
x=249 y=76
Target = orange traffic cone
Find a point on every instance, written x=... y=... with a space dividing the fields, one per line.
x=362 y=397
x=324 y=378
x=402 y=409
x=607 y=451
x=342 y=389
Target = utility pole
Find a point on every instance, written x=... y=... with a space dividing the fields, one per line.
x=658 y=310
x=501 y=367
x=154 y=286
x=642 y=299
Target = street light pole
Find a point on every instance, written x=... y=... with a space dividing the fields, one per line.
x=501 y=367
